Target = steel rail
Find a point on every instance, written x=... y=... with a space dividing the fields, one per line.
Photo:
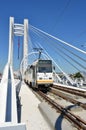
x=66 y=97
x=79 y=123
x=72 y=91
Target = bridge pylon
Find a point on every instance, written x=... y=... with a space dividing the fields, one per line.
x=16 y=29
x=8 y=102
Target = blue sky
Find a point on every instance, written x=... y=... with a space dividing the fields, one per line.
x=65 y=19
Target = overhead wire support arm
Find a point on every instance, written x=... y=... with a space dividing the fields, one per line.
x=39 y=50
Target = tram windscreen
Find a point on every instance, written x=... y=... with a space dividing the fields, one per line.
x=45 y=66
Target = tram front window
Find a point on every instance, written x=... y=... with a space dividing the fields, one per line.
x=44 y=69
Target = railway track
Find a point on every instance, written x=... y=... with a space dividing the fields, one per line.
x=78 y=122
x=72 y=91
x=66 y=97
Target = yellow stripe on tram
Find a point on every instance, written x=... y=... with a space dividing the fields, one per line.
x=44 y=81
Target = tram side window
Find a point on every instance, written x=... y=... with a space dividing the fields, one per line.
x=34 y=72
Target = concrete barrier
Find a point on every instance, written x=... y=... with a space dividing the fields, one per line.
x=3 y=94
x=10 y=126
x=49 y=114
x=8 y=103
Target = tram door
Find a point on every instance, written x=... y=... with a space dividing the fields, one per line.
x=34 y=75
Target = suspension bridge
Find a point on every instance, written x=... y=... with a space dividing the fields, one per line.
x=66 y=59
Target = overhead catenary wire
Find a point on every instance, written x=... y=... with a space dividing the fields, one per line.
x=58 y=18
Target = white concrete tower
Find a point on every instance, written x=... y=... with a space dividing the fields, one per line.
x=16 y=29
x=11 y=35
x=25 y=48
